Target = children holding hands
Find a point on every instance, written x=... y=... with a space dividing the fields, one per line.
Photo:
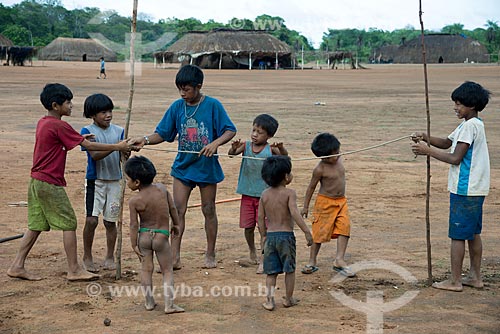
x=48 y=204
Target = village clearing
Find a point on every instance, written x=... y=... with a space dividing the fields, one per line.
x=386 y=190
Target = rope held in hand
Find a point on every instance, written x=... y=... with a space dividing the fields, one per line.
x=297 y=159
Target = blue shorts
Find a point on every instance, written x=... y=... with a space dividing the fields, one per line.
x=279 y=253
x=466 y=216
x=193 y=184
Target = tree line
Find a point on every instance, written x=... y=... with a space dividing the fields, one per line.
x=38 y=22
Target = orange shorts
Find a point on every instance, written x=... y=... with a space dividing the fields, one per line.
x=330 y=218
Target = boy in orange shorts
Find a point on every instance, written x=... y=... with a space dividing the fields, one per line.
x=331 y=214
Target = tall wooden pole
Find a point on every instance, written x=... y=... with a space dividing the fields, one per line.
x=428 y=188
x=119 y=242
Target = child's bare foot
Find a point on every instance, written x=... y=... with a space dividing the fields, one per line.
x=447 y=285
x=260 y=269
x=22 y=274
x=210 y=262
x=177 y=265
x=253 y=258
x=173 y=309
x=269 y=304
x=82 y=275
x=149 y=306
x=290 y=302
x=475 y=283
x=109 y=264
x=89 y=265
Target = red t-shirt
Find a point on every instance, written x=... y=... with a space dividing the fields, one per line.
x=54 y=138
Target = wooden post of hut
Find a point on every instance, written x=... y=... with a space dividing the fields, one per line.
x=302 y=58
x=154 y=61
x=277 y=64
x=250 y=60
x=220 y=61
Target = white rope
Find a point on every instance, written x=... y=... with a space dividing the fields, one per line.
x=355 y=151
x=298 y=159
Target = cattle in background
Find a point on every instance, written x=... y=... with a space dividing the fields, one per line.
x=17 y=55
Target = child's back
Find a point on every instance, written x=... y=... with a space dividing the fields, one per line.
x=152 y=206
x=279 y=205
x=276 y=204
x=250 y=182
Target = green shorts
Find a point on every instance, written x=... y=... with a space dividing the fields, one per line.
x=49 y=208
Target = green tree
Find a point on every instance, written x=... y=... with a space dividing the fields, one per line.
x=7 y=15
x=18 y=35
x=492 y=33
x=455 y=28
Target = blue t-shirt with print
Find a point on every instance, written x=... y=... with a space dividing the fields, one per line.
x=197 y=126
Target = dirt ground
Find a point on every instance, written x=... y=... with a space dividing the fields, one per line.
x=385 y=187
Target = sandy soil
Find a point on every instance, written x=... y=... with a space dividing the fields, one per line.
x=385 y=187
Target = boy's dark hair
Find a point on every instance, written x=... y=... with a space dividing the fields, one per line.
x=55 y=92
x=190 y=75
x=471 y=95
x=267 y=122
x=275 y=168
x=140 y=168
x=324 y=144
x=96 y=103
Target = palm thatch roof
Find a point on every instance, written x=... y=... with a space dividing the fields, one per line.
x=235 y=46
x=76 y=49
x=445 y=48
x=4 y=41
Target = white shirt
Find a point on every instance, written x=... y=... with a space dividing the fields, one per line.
x=472 y=176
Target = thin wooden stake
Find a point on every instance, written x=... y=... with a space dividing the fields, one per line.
x=428 y=187
x=119 y=240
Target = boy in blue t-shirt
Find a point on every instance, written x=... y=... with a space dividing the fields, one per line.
x=250 y=182
x=102 y=72
x=202 y=125
x=468 y=181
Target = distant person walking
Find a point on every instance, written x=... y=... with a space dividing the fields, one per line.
x=103 y=69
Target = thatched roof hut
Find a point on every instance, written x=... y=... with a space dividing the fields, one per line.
x=4 y=41
x=445 y=48
x=229 y=49
x=76 y=49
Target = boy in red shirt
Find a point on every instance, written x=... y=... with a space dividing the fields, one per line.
x=48 y=204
